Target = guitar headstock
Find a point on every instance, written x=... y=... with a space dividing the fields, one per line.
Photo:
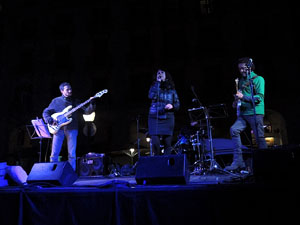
x=236 y=81
x=99 y=94
x=237 y=84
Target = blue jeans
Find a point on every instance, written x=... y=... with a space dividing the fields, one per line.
x=57 y=143
x=240 y=125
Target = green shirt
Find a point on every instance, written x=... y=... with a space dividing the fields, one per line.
x=258 y=92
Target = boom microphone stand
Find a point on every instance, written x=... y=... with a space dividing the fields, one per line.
x=137 y=142
x=137 y=135
x=249 y=65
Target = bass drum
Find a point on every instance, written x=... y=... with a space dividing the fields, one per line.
x=184 y=146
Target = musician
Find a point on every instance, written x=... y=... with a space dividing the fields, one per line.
x=161 y=119
x=250 y=112
x=70 y=131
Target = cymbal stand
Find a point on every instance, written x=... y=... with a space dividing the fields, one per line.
x=213 y=163
x=214 y=166
x=198 y=143
x=198 y=165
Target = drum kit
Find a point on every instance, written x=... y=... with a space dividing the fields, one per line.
x=197 y=142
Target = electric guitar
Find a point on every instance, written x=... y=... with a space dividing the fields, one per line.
x=63 y=118
x=237 y=103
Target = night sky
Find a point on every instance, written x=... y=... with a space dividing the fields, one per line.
x=114 y=45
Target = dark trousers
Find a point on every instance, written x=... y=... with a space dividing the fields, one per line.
x=155 y=144
x=241 y=124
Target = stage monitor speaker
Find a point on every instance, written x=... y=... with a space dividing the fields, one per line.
x=57 y=173
x=171 y=169
x=276 y=164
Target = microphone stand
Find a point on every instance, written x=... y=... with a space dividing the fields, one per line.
x=252 y=100
x=137 y=142
x=193 y=90
x=137 y=135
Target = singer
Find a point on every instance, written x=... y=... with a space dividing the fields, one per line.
x=161 y=119
x=251 y=92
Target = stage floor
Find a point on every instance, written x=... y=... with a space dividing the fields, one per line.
x=203 y=179
x=215 y=198
x=269 y=195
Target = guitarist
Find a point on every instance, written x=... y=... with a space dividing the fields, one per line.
x=70 y=131
x=251 y=91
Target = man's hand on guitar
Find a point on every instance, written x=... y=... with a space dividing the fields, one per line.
x=239 y=95
x=52 y=122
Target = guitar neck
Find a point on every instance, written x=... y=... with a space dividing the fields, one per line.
x=77 y=107
x=237 y=84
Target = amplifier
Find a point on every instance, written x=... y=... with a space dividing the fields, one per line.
x=92 y=164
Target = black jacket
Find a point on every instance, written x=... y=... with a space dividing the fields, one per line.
x=164 y=96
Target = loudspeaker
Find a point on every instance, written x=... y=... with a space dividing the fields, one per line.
x=171 y=169
x=276 y=164
x=57 y=173
x=17 y=175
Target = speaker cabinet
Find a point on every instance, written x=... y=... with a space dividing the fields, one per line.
x=276 y=164
x=171 y=169
x=57 y=173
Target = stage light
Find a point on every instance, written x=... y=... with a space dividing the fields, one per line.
x=131 y=150
x=131 y=153
x=89 y=117
x=270 y=141
x=89 y=128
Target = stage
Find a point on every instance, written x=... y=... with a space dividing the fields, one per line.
x=212 y=198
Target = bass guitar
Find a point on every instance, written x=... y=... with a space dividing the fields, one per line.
x=237 y=103
x=63 y=118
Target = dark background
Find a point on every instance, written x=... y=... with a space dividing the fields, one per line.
x=117 y=45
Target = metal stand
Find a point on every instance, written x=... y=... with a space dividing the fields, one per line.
x=137 y=135
x=40 y=132
x=252 y=97
x=200 y=166
x=198 y=141
x=213 y=163
x=137 y=142
x=198 y=146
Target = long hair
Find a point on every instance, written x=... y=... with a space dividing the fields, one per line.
x=168 y=83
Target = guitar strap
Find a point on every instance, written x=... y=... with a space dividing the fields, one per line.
x=248 y=83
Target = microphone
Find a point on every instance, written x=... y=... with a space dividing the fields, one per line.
x=195 y=99
x=250 y=62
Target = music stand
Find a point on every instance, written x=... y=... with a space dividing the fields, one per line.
x=40 y=132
